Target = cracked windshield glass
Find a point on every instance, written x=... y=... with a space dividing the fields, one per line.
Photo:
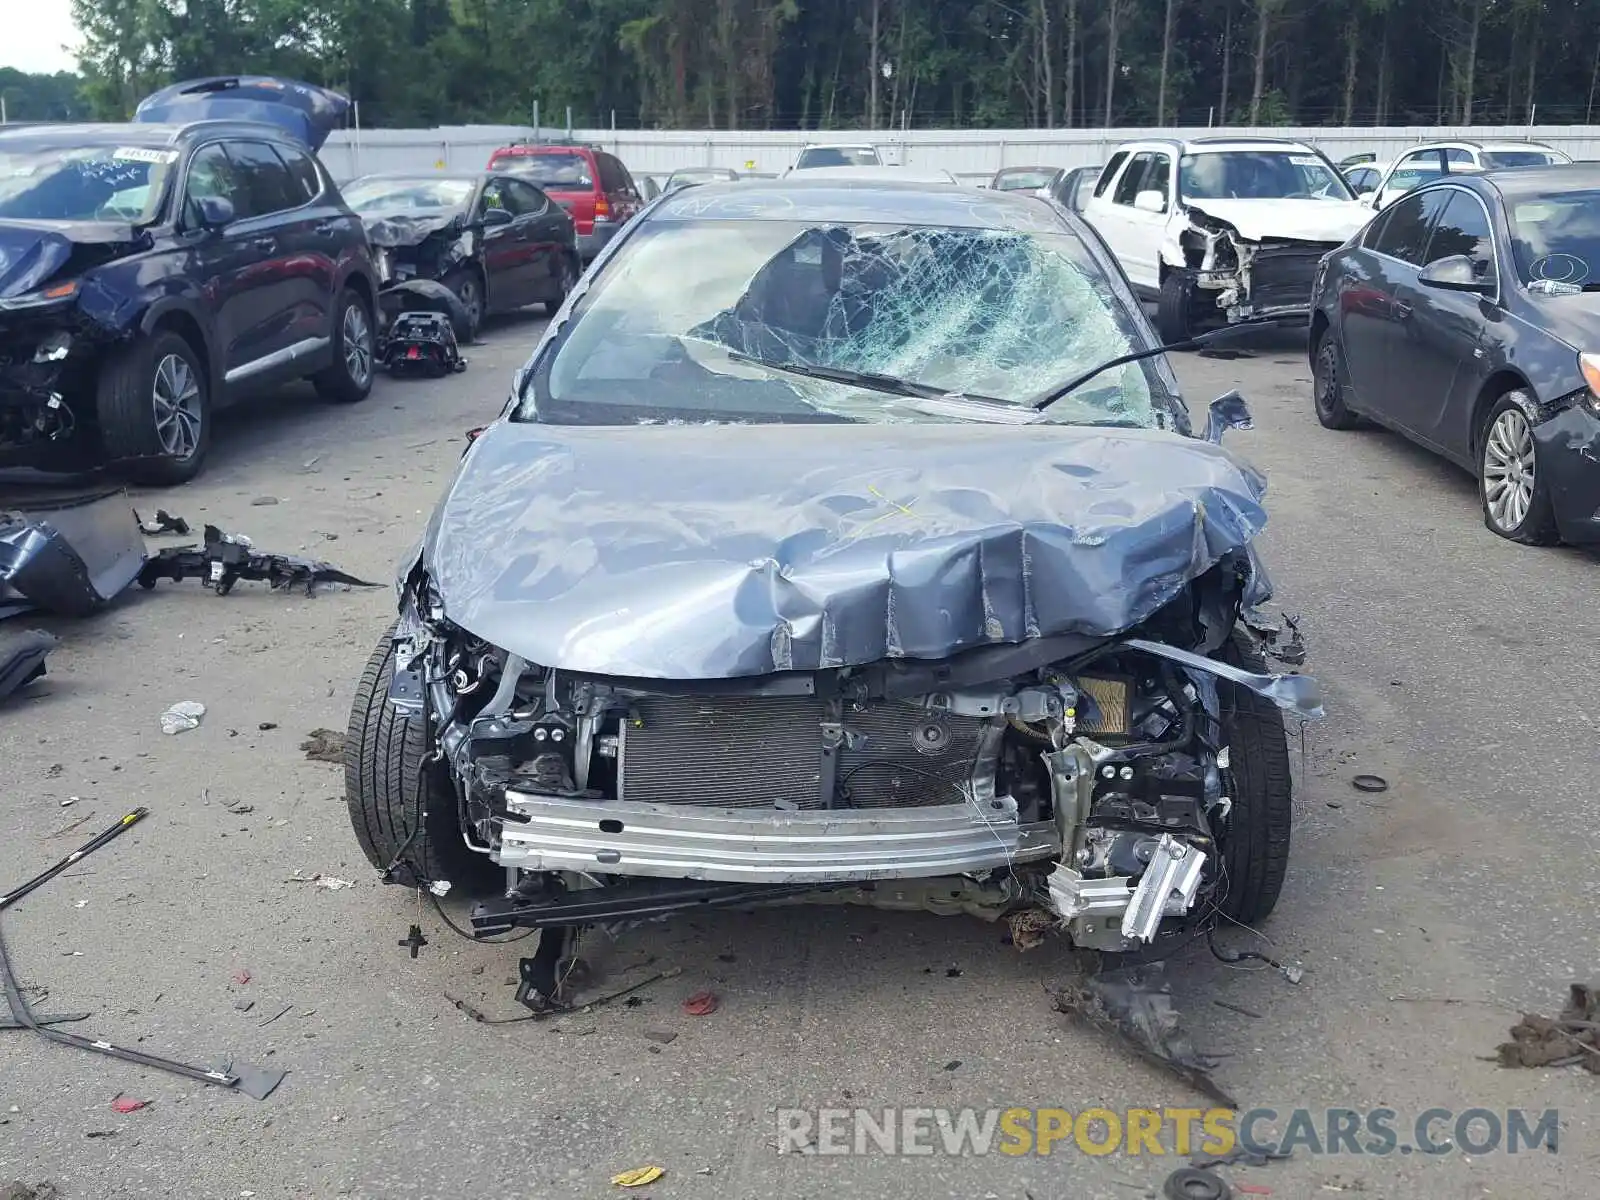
x=714 y=320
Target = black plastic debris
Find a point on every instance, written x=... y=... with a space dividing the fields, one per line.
x=226 y=558
x=1370 y=783
x=162 y=522
x=1190 y=1183
x=22 y=658
x=1135 y=1004
x=421 y=343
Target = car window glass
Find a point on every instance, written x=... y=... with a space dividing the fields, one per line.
x=1132 y=181
x=1158 y=175
x=264 y=182
x=1463 y=228
x=303 y=171
x=1556 y=237
x=1110 y=173
x=624 y=179
x=1458 y=156
x=494 y=196
x=526 y=199
x=211 y=173
x=609 y=179
x=1405 y=234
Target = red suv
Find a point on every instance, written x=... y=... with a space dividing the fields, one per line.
x=590 y=184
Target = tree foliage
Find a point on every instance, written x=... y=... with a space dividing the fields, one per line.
x=872 y=63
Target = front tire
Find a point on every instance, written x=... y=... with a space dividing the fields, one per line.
x=1175 y=308
x=1328 y=382
x=1255 y=848
x=468 y=288
x=384 y=750
x=349 y=378
x=1514 y=492
x=153 y=402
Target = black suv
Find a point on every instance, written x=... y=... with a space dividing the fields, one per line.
x=150 y=273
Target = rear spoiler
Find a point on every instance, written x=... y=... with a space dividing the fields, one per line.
x=303 y=110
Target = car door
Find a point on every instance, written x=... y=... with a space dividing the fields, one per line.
x=505 y=247
x=1099 y=210
x=1410 y=171
x=300 y=238
x=1139 y=231
x=226 y=266
x=1376 y=322
x=540 y=219
x=1441 y=333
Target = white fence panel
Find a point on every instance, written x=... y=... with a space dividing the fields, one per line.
x=971 y=154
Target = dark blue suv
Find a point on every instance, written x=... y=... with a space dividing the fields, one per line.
x=151 y=273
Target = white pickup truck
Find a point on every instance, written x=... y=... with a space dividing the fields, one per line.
x=1227 y=228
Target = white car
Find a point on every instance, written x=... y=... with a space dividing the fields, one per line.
x=1422 y=164
x=1223 y=227
x=884 y=174
x=837 y=154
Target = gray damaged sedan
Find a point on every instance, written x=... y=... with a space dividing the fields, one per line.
x=841 y=541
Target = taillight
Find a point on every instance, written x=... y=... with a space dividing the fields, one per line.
x=602 y=208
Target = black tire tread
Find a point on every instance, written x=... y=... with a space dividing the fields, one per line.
x=1256 y=850
x=1336 y=415
x=1175 y=307
x=383 y=752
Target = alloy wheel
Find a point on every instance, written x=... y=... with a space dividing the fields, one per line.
x=175 y=399
x=357 y=337
x=1508 y=467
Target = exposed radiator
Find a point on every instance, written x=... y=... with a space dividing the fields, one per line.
x=766 y=752
x=1283 y=275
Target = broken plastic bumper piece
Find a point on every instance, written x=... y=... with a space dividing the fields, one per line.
x=1166 y=889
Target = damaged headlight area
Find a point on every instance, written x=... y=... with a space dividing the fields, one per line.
x=43 y=360
x=1084 y=782
x=1245 y=277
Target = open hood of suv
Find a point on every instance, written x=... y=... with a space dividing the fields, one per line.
x=305 y=111
x=721 y=551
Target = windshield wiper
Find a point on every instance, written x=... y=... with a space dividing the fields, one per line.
x=871 y=380
x=1210 y=338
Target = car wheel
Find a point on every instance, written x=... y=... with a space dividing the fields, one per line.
x=1328 y=382
x=566 y=280
x=1255 y=843
x=1514 y=492
x=469 y=290
x=349 y=379
x=1175 y=308
x=402 y=809
x=153 y=405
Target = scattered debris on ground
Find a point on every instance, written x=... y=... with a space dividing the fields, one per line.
x=22 y=656
x=226 y=558
x=1370 y=783
x=701 y=1004
x=1191 y=1183
x=162 y=522
x=21 y=1191
x=324 y=745
x=1240 y=1155
x=127 y=1104
x=1572 y=1039
x=1135 y=1003
x=637 y=1177
x=182 y=717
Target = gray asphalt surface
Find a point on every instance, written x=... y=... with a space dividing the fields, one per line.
x=1457 y=666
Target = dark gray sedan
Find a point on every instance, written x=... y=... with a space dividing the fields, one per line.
x=1467 y=317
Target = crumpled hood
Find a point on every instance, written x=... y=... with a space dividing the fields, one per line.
x=407 y=228
x=32 y=252
x=1302 y=220
x=718 y=551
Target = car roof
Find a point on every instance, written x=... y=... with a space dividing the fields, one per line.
x=1219 y=145
x=139 y=133
x=1558 y=177
x=1471 y=144
x=867 y=198
x=457 y=176
x=839 y=146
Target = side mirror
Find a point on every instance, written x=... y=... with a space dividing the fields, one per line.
x=1227 y=411
x=496 y=216
x=214 y=212
x=1455 y=274
x=1151 y=202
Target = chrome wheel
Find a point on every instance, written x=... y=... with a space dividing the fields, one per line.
x=175 y=397
x=356 y=334
x=1508 y=465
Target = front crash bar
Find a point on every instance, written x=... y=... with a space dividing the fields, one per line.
x=741 y=845
x=631 y=901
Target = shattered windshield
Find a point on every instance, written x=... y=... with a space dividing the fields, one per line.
x=711 y=319
x=83 y=183
x=390 y=195
x=1259 y=175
